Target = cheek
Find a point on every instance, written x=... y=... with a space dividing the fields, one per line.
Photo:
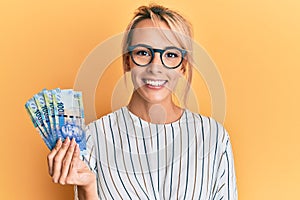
x=136 y=77
x=173 y=79
x=175 y=75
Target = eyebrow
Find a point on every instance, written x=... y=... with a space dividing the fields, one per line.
x=149 y=46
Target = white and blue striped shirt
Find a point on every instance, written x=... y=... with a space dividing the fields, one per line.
x=134 y=159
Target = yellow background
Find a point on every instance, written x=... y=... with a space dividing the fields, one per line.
x=255 y=45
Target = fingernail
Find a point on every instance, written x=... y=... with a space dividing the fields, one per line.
x=77 y=147
x=73 y=142
x=67 y=140
x=58 y=143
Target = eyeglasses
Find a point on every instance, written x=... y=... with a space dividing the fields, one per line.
x=142 y=55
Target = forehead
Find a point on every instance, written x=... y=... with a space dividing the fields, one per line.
x=159 y=37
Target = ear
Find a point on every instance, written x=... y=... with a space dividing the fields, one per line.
x=126 y=62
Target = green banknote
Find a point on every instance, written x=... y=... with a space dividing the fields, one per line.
x=41 y=104
x=49 y=103
x=36 y=118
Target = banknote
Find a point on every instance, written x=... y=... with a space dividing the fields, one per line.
x=79 y=119
x=42 y=107
x=68 y=116
x=35 y=115
x=49 y=103
x=57 y=114
x=58 y=111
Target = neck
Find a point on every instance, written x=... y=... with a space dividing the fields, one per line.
x=154 y=112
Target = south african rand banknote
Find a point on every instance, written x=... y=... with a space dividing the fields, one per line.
x=35 y=116
x=58 y=114
x=79 y=119
x=41 y=103
x=69 y=119
x=50 y=106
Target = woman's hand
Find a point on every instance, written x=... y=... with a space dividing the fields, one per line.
x=66 y=167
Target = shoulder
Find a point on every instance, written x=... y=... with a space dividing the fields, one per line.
x=111 y=116
x=202 y=120
x=110 y=119
x=207 y=126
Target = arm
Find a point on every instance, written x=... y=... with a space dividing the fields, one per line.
x=226 y=181
x=88 y=192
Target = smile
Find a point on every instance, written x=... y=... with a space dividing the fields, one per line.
x=155 y=83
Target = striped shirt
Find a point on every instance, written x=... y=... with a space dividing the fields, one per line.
x=190 y=158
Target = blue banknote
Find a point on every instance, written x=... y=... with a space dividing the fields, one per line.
x=68 y=114
x=58 y=114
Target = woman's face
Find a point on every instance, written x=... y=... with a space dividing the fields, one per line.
x=154 y=83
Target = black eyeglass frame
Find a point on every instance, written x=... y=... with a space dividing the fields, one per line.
x=161 y=52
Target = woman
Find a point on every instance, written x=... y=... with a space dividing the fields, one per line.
x=152 y=148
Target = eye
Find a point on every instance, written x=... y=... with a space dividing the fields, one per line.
x=142 y=53
x=172 y=55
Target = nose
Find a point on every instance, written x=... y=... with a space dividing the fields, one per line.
x=156 y=65
x=156 y=58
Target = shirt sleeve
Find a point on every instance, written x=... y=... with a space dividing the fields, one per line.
x=226 y=182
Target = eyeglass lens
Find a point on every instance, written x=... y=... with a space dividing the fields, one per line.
x=170 y=57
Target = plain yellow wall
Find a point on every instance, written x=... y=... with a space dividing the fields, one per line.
x=255 y=45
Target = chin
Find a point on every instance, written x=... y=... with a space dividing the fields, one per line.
x=155 y=97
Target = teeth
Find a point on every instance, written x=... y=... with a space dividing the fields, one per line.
x=154 y=83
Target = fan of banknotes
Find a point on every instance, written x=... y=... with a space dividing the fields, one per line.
x=58 y=113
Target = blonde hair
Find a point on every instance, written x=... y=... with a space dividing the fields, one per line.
x=179 y=26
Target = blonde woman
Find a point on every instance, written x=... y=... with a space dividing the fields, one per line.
x=151 y=148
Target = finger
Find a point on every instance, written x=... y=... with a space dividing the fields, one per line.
x=75 y=165
x=58 y=159
x=76 y=152
x=52 y=154
x=66 y=162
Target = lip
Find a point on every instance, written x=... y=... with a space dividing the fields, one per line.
x=154 y=83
